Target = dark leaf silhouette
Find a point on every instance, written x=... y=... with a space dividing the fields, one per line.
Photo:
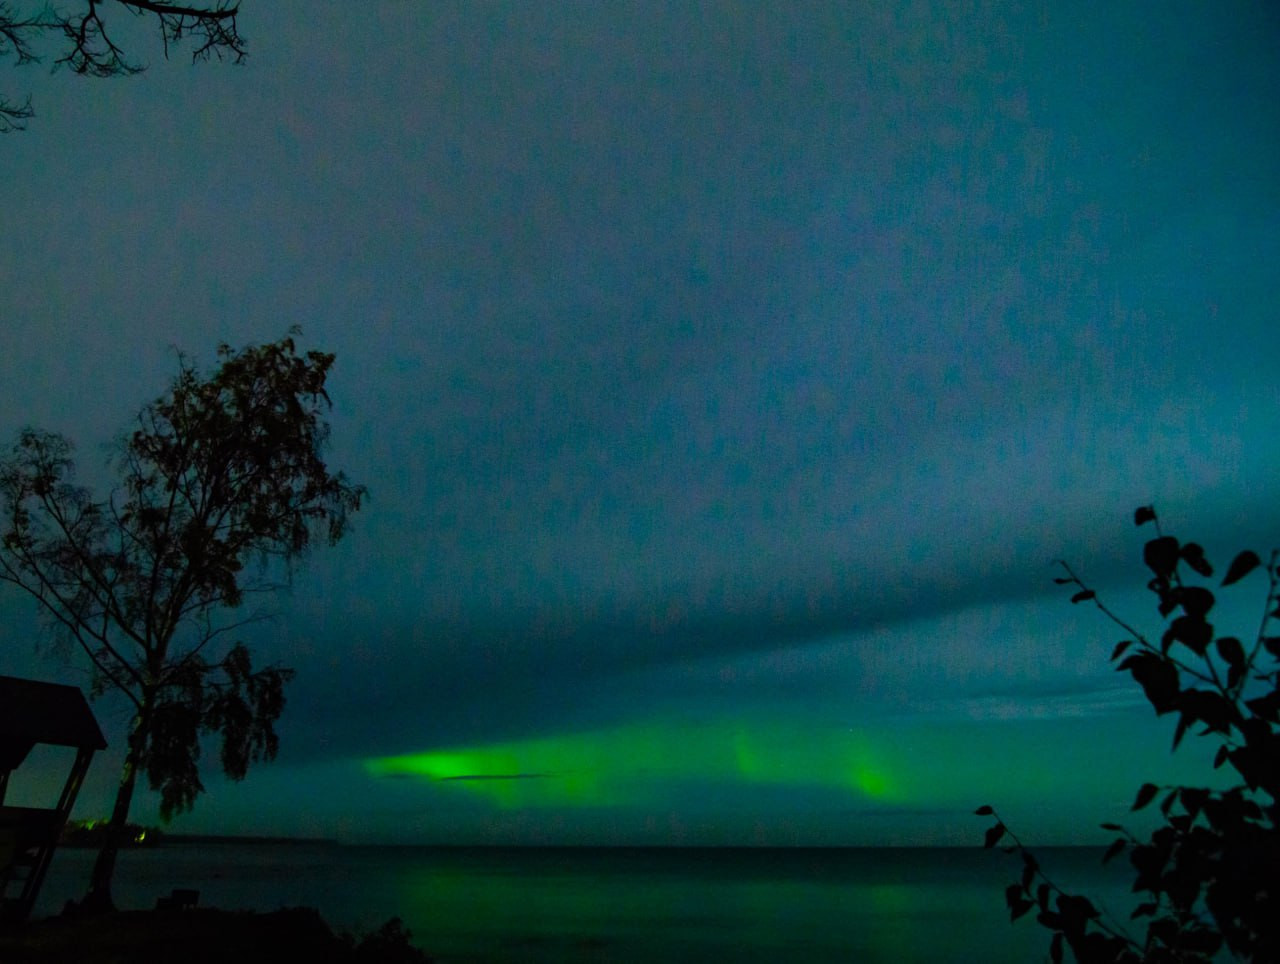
x=1146 y=793
x=1196 y=601
x=1161 y=555
x=1233 y=654
x=1266 y=708
x=1241 y=566
x=1193 y=799
x=1029 y=870
x=1157 y=677
x=1082 y=595
x=1231 y=650
x=1192 y=631
x=1017 y=904
x=1184 y=721
x=1115 y=848
x=1072 y=907
x=1144 y=514
x=1193 y=555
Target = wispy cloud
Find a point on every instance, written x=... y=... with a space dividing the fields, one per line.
x=1035 y=706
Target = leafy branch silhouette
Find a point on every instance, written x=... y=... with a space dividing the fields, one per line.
x=1212 y=868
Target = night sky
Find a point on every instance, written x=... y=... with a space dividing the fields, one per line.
x=726 y=379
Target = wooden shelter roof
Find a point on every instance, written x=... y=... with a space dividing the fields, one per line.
x=36 y=712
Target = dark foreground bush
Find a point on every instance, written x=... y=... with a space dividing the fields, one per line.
x=1211 y=870
x=387 y=945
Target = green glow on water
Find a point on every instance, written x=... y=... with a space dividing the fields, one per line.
x=638 y=763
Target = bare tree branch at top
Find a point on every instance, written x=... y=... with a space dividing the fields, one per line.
x=87 y=45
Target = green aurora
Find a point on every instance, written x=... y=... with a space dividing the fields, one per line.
x=906 y=767
x=633 y=764
x=871 y=779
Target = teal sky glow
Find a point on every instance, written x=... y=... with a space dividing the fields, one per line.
x=726 y=378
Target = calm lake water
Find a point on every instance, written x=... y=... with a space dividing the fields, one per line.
x=627 y=905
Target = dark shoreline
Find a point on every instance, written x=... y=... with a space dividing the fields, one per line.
x=249 y=840
x=202 y=936
x=90 y=842
x=246 y=840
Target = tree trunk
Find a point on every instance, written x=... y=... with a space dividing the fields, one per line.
x=98 y=898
